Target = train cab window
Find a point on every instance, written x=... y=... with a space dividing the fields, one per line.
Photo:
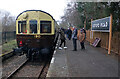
x=22 y=27
x=33 y=26
x=45 y=26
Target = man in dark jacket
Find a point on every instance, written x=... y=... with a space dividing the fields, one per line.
x=69 y=33
x=74 y=37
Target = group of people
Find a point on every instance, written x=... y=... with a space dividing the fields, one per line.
x=72 y=34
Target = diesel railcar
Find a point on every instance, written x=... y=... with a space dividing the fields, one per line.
x=36 y=33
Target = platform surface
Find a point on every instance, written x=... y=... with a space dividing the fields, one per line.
x=91 y=62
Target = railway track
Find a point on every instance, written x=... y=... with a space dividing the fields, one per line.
x=10 y=76
x=19 y=66
x=29 y=69
x=10 y=64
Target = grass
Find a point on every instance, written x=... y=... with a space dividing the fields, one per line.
x=8 y=47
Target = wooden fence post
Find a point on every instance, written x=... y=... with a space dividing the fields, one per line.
x=91 y=32
x=110 y=34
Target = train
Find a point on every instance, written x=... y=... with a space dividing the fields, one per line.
x=36 y=33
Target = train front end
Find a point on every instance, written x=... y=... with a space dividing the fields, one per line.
x=35 y=33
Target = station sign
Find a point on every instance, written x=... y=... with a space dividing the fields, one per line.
x=102 y=25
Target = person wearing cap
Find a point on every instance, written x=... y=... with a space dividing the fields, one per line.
x=82 y=39
x=74 y=37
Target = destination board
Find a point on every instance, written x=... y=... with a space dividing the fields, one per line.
x=102 y=25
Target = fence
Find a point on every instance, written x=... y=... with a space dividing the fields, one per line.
x=104 y=36
x=7 y=36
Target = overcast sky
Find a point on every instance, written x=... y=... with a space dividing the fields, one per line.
x=53 y=7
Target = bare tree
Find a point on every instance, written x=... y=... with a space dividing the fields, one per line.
x=71 y=16
x=8 y=21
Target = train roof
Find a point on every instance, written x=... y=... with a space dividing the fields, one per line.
x=36 y=10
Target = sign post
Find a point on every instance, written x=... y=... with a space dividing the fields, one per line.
x=110 y=34
x=91 y=32
x=103 y=25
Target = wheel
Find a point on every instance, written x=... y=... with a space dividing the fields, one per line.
x=29 y=54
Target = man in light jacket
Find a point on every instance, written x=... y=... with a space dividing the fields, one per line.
x=74 y=37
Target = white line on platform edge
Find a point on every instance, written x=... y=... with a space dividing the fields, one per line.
x=54 y=51
x=52 y=61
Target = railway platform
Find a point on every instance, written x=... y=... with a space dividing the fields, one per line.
x=0 y=49
x=91 y=62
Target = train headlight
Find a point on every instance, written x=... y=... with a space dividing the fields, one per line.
x=25 y=15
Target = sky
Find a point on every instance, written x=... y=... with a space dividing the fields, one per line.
x=54 y=7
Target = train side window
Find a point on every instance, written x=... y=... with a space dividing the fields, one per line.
x=22 y=27
x=45 y=26
x=33 y=26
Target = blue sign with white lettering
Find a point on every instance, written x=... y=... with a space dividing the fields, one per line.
x=102 y=25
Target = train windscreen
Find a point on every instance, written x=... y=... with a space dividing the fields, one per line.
x=22 y=27
x=45 y=26
x=33 y=26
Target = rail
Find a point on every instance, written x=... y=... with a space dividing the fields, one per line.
x=9 y=77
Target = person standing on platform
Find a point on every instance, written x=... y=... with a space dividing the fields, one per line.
x=82 y=38
x=84 y=32
x=69 y=33
x=62 y=38
x=74 y=37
